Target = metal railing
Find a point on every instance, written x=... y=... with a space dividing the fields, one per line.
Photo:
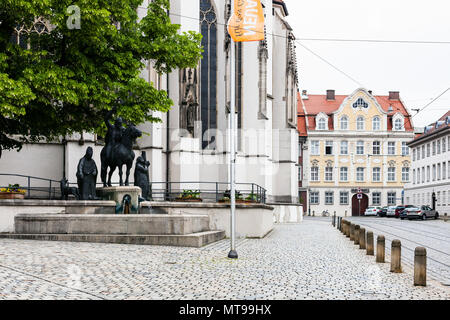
x=42 y=188
x=35 y=187
x=209 y=191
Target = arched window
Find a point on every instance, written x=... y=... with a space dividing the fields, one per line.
x=322 y=124
x=376 y=124
x=344 y=123
x=208 y=72
x=398 y=124
x=360 y=123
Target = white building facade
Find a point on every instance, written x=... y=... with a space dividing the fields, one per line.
x=430 y=183
x=191 y=143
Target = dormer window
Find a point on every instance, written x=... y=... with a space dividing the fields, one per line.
x=344 y=123
x=398 y=124
x=360 y=103
x=322 y=124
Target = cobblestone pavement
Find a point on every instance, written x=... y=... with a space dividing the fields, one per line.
x=434 y=235
x=311 y=260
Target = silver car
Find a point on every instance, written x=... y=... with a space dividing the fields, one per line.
x=422 y=212
x=391 y=211
x=372 y=211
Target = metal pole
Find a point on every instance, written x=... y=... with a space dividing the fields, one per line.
x=232 y=254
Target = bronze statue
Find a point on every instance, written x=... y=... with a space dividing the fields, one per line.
x=87 y=176
x=118 y=150
x=67 y=190
x=141 y=178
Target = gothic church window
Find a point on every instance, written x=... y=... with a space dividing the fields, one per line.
x=208 y=73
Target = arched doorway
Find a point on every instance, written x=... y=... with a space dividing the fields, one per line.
x=361 y=206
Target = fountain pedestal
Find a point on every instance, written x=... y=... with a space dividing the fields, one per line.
x=126 y=198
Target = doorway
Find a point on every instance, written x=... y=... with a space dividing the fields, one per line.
x=358 y=209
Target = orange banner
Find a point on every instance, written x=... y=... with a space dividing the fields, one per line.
x=247 y=21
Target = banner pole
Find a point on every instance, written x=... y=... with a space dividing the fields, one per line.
x=233 y=253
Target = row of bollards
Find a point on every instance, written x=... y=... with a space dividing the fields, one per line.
x=365 y=240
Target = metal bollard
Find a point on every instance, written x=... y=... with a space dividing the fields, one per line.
x=352 y=232
x=380 y=249
x=362 y=238
x=356 y=235
x=369 y=243
x=420 y=266
x=396 y=256
x=333 y=221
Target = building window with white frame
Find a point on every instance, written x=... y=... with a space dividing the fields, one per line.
x=391 y=198
x=344 y=147
x=315 y=147
x=300 y=173
x=344 y=174
x=398 y=124
x=439 y=171
x=344 y=123
x=376 y=198
x=405 y=174
x=376 y=174
x=360 y=147
x=376 y=148
x=428 y=149
x=360 y=174
x=428 y=173
x=423 y=152
x=391 y=148
x=329 y=197
x=376 y=124
x=328 y=147
x=314 y=197
x=414 y=176
x=314 y=173
x=434 y=172
x=444 y=171
x=343 y=197
x=414 y=154
x=391 y=174
x=360 y=123
x=438 y=146
x=418 y=175
x=405 y=149
x=423 y=174
x=434 y=148
x=328 y=173
x=322 y=124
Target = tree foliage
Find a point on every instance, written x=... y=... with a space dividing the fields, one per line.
x=64 y=81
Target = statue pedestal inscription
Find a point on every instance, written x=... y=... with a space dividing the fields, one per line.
x=126 y=198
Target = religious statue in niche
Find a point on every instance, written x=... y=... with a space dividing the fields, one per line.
x=87 y=176
x=189 y=92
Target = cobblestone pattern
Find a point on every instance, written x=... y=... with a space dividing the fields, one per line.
x=311 y=260
x=434 y=235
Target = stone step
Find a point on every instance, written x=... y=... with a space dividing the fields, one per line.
x=196 y=240
x=111 y=224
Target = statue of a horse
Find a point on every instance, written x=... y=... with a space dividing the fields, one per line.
x=122 y=154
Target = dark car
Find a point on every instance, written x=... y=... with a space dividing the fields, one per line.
x=382 y=212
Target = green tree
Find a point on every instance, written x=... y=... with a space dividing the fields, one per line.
x=65 y=80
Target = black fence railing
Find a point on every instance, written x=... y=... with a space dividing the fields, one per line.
x=208 y=191
x=42 y=188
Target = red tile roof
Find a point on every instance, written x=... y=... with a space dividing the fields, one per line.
x=316 y=104
x=301 y=118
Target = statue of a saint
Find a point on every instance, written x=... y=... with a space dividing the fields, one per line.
x=87 y=176
x=141 y=178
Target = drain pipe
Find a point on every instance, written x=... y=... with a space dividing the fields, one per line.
x=167 y=135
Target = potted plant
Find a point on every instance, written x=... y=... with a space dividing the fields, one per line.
x=189 y=196
x=239 y=198
x=12 y=192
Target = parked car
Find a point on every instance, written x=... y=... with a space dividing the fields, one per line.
x=382 y=212
x=372 y=211
x=422 y=212
x=394 y=211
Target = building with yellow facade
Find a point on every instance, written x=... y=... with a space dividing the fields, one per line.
x=356 y=141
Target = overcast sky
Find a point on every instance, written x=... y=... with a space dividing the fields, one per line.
x=420 y=72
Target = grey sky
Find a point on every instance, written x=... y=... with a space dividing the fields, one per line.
x=419 y=71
